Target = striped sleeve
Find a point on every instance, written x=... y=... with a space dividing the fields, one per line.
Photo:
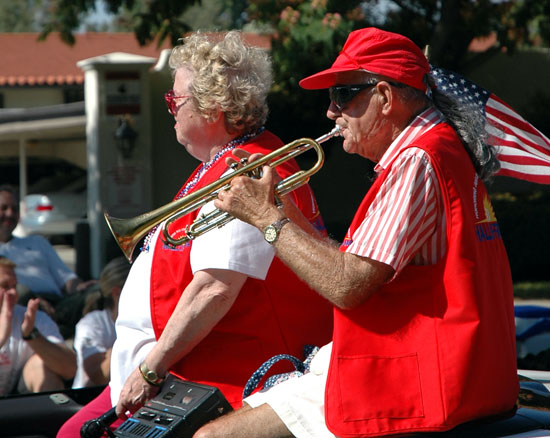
x=405 y=223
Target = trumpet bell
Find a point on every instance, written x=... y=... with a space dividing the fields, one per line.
x=127 y=232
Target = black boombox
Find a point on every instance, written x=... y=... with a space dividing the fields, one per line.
x=178 y=410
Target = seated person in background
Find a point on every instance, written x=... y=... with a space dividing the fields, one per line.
x=95 y=332
x=40 y=272
x=33 y=355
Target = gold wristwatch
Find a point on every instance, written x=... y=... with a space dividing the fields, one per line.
x=149 y=375
x=271 y=232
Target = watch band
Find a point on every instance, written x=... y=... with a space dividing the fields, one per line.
x=149 y=376
x=32 y=335
x=271 y=232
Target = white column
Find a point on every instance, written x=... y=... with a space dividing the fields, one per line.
x=23 y=186
x=116 y=87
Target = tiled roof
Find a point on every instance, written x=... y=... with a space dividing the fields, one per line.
x=27 y=61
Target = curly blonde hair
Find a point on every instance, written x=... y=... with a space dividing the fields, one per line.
x=228 y=76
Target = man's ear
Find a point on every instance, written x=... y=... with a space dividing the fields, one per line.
x=386 y=96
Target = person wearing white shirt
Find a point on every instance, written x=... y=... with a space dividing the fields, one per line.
x=33 y=354
x=95 y=332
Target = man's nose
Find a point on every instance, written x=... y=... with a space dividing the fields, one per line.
x=333 y=111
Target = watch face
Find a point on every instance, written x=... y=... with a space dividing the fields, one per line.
x=152 y=375
x=270 y=234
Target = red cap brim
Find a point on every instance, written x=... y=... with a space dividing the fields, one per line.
x=323 y=79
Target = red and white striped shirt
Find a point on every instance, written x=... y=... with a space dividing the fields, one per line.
x=406 y=221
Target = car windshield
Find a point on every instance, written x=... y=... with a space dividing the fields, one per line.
x=44 y=175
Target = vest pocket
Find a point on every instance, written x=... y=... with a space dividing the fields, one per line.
x=379 y=387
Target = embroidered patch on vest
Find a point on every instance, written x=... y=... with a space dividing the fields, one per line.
x=486 y=225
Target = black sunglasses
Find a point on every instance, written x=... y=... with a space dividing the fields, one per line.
x=340 y=95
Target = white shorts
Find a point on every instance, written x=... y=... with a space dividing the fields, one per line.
x=300 y=401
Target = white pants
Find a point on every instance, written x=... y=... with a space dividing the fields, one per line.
x=300 y=401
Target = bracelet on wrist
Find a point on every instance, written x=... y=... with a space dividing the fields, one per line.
x=149 y=376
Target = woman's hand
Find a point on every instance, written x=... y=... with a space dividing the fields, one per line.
x=134 y=394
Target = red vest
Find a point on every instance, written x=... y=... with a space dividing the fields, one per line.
x=435 y=347
x=278 y=315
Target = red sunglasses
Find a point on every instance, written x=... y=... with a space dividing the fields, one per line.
x=170 y=98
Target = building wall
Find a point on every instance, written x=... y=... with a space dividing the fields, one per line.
x=28 y=97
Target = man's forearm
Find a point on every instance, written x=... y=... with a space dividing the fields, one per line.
x=346 y=280
x=57 y=356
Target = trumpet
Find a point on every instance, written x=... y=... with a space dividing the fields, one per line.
x=129 y=232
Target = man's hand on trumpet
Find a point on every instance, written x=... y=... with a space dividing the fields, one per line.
x=251 y=200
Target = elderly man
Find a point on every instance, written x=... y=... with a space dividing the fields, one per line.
x=421 y=285
x=33 y=355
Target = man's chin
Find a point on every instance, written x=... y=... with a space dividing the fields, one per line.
x=6 y=228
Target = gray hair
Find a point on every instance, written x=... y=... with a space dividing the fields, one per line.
x=228 y=76
x=466 y=120
x=469 y=123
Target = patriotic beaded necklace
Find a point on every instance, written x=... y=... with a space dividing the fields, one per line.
x=204 y=167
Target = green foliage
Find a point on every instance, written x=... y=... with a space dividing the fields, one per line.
x=447 y=26
x=532 y=290
x=527 y=22
x=310 y=25
x=306 y=37
x=66 y=17
x=150 y=19
x=20 y=15
x=208 y=16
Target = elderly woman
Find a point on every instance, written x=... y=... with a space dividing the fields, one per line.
x=211 y=311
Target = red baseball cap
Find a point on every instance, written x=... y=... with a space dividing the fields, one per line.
x=377 y=51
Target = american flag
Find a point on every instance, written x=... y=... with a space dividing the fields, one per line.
x=523 y=151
